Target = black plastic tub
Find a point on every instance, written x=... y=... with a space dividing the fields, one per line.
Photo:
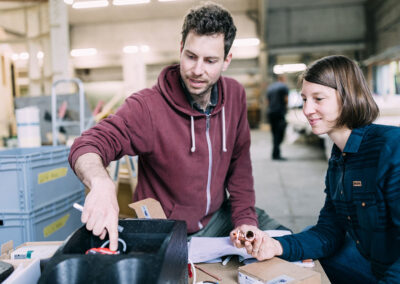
x=156 y=253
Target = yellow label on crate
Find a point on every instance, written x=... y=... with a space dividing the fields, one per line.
x=55 y=226
x=52 y=175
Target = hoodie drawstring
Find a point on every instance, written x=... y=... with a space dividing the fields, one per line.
x=192 y=131
x=223 y=130
x=193 y=149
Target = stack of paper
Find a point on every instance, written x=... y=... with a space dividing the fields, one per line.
x=204 y=249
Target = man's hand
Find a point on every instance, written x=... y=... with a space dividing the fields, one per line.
x=100 y=212
x=267 y=249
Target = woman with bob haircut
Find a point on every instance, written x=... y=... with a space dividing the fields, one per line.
x=357 y=236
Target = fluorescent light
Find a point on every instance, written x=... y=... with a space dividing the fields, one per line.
x=166 y=0
x=246 y=42
x=131 y=49
x=144 y=48
x=68 y=2
x=90 y=4
x=83 y=52
x=24 y=56
x=15 y=56
x=40 y=55
x=136 y=49
x=289 y=68
x=129 y=2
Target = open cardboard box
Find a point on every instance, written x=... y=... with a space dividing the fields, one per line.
x=277 y=270
x=26 y=270
x=47 y=250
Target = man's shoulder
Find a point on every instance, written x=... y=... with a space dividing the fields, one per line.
x=145 y=94
x=230 y=81
x=232 y=84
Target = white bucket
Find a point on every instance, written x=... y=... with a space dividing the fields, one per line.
x=28 y=127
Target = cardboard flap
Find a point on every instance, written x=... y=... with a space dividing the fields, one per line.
x=6 y=249
x=148 y=208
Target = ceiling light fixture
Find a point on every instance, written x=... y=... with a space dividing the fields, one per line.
x=131 y=49
x=83 y=52
x=289 y=68
x=15 y=56
x=135 y=49
x=246 y=42
x=40 y=55
x=90 y=4
x=24 y=56
x=69 y=2
x=166 y=0
x=144 y=48
x=129 y=2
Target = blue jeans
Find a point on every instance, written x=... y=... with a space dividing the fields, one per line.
x=348 y=266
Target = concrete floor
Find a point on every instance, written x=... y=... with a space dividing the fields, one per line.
x=290 y=191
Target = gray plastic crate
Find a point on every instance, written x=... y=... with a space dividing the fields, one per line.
x=32 y=178
x=54 y=222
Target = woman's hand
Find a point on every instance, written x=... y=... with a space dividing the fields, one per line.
x=267 y=248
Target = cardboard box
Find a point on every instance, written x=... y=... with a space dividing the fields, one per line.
x=46 y=249
x=276 y=270
x=148 y=208
x=26 y=270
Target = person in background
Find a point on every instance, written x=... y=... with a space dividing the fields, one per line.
x=277 y=96
x=191 y=134
x=357 y=237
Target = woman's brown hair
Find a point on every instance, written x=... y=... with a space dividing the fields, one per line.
x=358 y=108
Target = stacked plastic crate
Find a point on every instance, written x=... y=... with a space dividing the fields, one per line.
x=37 y=190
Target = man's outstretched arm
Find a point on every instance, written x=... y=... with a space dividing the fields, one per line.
x=100 y=211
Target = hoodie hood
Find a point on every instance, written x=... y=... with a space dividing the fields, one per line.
x=170 y=87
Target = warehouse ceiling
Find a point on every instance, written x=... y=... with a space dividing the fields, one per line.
x=152 y=10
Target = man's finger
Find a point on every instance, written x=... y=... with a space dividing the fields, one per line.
x=90 y=224
x=113 y=235
x=98 y=228
x=103 y=234
x=84 y=216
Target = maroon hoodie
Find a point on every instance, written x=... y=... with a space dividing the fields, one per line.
x=186 y=159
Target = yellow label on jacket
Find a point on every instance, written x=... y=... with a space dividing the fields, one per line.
x=52 y=175
x=55 y=226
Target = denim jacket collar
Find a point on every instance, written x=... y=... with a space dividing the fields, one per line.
x=353 y=143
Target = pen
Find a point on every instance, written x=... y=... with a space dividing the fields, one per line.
x=206 y=272
x=80 y=208
x=226 y=260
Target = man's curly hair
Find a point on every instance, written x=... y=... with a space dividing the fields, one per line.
x=210 y=19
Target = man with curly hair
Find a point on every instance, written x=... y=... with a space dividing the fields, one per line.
x=191 y=134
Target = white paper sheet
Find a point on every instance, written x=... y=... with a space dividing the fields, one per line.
x=203 y=249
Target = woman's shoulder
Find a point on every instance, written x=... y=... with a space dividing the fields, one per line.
x=390 y=134
x=385 y=130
